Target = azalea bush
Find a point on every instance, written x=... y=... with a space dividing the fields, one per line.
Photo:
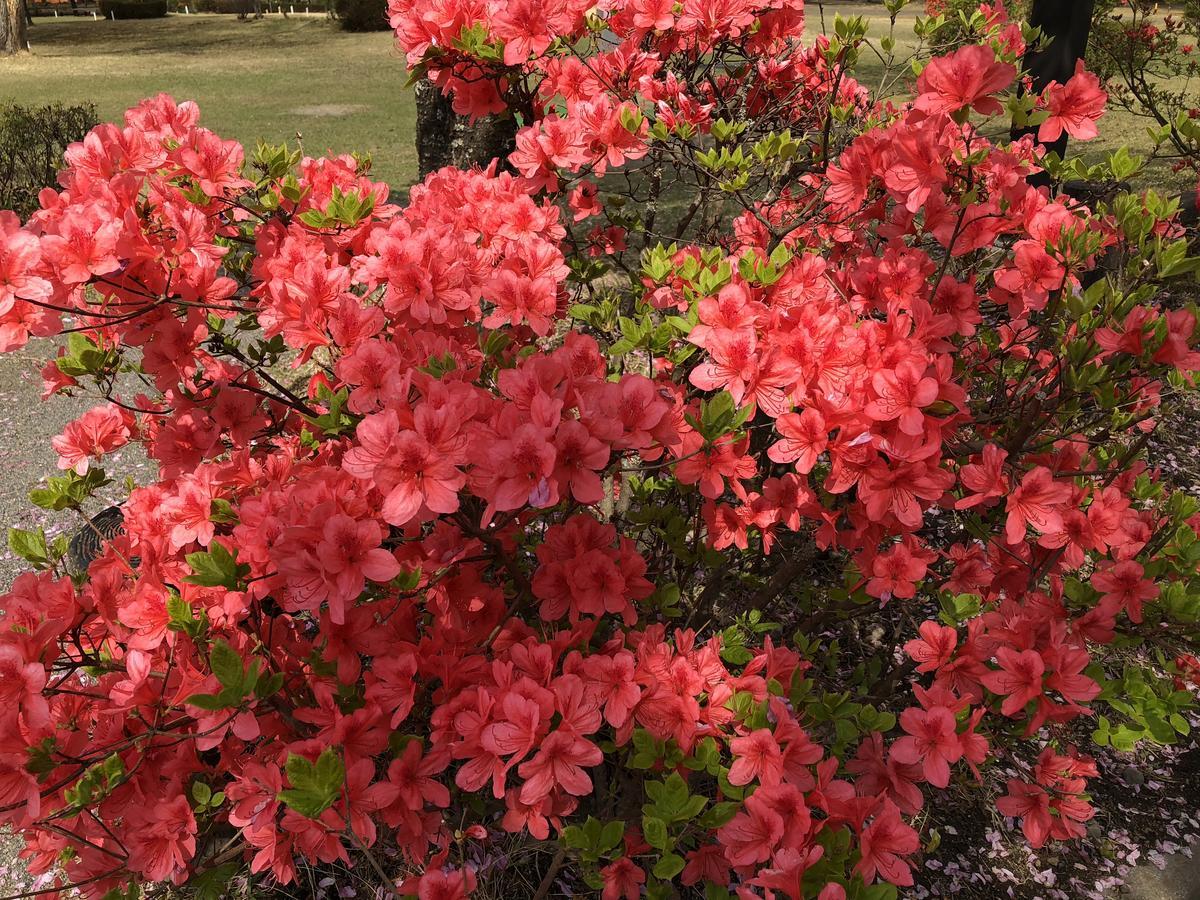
x=681 y=506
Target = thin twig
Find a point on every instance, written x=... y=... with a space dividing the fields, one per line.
x=548 y=879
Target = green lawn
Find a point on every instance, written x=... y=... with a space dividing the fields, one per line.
x=267 y=79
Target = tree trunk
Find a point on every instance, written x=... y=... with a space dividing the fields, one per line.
x=14 y=27
x=1065 y=25
x=492 y=137
x=446 y=139
x=435 y=128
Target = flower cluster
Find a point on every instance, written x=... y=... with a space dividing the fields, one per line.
x=471 y=515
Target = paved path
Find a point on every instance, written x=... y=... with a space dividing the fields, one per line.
x=1180 y=880
x=26 y=457
x=27 y=426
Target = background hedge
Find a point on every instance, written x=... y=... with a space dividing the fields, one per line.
x=363 y=15
x=133 y=9
x=32 y=141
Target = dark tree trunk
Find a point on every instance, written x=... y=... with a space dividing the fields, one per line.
x=446 y=139
x=492 y=137
x=14 y=25
x=435 y=128
x=1065 y=25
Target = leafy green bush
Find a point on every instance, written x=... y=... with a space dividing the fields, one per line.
x=32 y=141
x=221 y=6
x=133 y=9
x=363 y=15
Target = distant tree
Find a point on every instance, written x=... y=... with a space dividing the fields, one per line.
x=362 y=15
x=14 y=27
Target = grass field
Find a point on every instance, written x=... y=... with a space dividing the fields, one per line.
x=267 y=79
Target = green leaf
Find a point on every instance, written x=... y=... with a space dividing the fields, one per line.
x=227 y=666
x=68 y=491
x=211 y=884
x=1124 y=739
x=692 y=808
x=574 y=837
x=29 y=545
x=336 y=420
x=1160 y=730
x=182 y=619
x=1123 y=163
x=97 y=782
x=407 y=580
x=720 y=814
x=41 y=760
x=610 y=835
x=879 y=892
x=654 y=830
x=669 y=866
x=210 y=702
x=83 y=357
x=268 y=686
x=1173 y=260
x=676 y=795
x=179 y=611
x=314 y=787
x=216 y=568
x=201 y=793
x=314 y=218
x=221 y=511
